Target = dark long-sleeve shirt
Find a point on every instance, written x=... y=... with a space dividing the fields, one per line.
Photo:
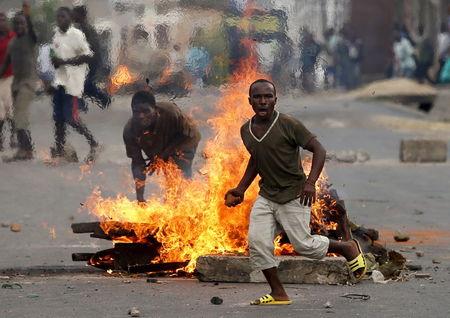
x=174 y=132
x=94 y=43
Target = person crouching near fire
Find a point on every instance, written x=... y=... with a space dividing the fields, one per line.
x=286 y=194
x=162 y=131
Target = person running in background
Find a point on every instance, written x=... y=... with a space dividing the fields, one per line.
x=80 y=18
x=330 y=52
x=443 y=47
x=310 y=50
x=22 y=56
x=6 y=35
x=424 y=56
x=404 y=64
x=70 y=54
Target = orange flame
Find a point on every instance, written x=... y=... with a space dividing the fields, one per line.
x=121 y=77
x=165 y=75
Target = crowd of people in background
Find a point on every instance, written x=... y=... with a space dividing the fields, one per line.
x=333 y=62
x=341 y=54
x=414 y=55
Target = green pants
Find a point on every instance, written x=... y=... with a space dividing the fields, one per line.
x=23 y=95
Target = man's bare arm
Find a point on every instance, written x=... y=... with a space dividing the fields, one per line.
x=246 y=180
x=138 y=169
x=308 y=196
x=318 y=160
x=138 y=166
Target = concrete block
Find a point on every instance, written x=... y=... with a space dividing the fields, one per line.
x=292 y=270
x=423 y=151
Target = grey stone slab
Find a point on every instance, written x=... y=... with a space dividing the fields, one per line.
x=292 y=269
x=423 y=151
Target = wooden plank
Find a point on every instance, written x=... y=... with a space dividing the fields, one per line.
x=81 y=257
x=89 y=227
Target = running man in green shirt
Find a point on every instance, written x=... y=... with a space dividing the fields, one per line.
x=286 y=194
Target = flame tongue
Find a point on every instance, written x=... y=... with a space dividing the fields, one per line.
x=121 y=77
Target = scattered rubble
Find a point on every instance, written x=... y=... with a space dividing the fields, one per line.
x=15 y=227
x=134 y=312
x=420 y=254
x=394 y=265
x=422 y=275
x=12 y=286
x=216 y=300
x=401 y=237
x=348 y=156
x=328 y=305
x=435 y=261
x=356 y=296
x=414 y=267
x=152 y=280
x=378 y=277
x=362 y=156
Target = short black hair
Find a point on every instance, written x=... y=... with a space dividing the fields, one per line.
x=81 y=11
x=261 y=80
x=65 y=9
x=143 y=97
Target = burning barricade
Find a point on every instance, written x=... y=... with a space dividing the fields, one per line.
x=189 y=220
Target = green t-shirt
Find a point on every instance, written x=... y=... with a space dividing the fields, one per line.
x=277 y=157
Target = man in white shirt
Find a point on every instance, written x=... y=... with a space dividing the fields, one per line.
x=70 y=54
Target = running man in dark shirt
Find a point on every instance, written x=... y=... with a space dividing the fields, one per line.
x=91 y=89
x=273 y=140
x=160 y=130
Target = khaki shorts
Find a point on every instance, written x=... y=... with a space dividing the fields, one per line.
x=5 y=97
x=268 y=219
x=23 y=95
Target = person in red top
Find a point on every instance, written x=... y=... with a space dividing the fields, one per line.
x=6 y=36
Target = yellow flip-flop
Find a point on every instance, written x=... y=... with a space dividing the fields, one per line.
x=358 y=263
x=268 y=300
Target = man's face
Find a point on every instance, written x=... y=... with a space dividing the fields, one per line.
x=63 y=19
x=20 y=25
x=263 y=99
x=144 y=116
x=3 y=23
